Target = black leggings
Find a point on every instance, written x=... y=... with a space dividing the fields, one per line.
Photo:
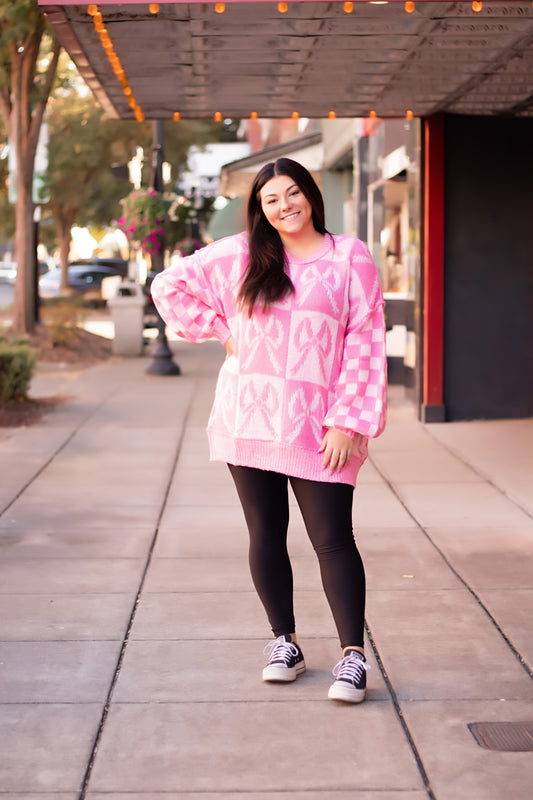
x=327 y=513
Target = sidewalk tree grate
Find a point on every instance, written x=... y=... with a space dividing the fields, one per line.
x=508 y=737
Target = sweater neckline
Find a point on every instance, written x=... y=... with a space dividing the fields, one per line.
x=321 y=251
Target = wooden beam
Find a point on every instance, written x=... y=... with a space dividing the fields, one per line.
x=433 y=329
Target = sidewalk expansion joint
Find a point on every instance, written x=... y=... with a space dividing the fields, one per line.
x=484 y=477
x=519 y=657
x=127 y=635
x=400 y=717
x=56 y=452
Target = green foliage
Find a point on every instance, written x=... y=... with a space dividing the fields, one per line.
x=155 y=221
x=17 y=365
x=83 y=144
x=17 y=18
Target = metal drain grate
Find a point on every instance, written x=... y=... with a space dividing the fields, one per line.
x=508 y=737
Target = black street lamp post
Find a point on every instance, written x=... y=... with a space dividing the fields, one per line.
x=161 y=362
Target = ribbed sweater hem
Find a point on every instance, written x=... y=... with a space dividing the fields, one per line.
x=287 y=459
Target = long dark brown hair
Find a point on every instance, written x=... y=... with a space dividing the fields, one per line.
x=265 y=280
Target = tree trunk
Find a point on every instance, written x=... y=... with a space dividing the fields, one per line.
x=64 y=222
x=24 y=296
x=23 y=124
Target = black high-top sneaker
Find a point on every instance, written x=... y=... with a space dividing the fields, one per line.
x=286 y=660
x=350 y=678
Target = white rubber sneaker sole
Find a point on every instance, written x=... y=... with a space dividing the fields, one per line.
x=340 y=690
x=276 y=673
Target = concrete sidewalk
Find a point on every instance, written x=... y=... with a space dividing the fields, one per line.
x=131 y=638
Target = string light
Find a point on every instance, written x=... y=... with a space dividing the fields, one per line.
x=283 y=8
x=217 y=116
x=295 y=115
x=372 y=114
x=347 y=7
x=409 y=6
x=477 y=5
x=176 y=116
x=254 y=115
x=114 y=60
x=220 y=8
x=153 y=8
x=409 y=114
x=332 y=115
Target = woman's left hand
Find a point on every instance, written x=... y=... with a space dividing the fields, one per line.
x=337 y=448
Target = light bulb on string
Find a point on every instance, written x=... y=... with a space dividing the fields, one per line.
x=283 y=8
x=153 y=8
x=220 y=8
x=347 y=7
x=477 y=6
x=295 y=115
x=92 y=9
x=409 y=114
x=409 y=6
x=372 y=114
x=176 y=116
x=332 y=115
x=217 y=116
x=254 y=115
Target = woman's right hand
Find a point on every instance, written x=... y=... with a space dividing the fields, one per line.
x=231 y=347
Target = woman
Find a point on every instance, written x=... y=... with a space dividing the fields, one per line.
x=303 y=387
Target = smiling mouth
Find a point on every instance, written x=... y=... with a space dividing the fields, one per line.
x=290 y=216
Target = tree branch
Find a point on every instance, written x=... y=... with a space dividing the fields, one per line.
x=5 y=106
x=38 y=113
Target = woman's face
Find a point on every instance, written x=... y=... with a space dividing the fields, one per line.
x=286 y=207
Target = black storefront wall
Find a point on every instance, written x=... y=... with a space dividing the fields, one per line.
x=488 y=290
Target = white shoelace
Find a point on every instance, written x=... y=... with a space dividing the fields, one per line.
x=279 y=649
x=350 y=668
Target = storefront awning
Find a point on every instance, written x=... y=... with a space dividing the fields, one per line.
x=301 y=58
x=228 y=220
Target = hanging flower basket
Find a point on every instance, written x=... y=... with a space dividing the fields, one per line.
x=155 y=221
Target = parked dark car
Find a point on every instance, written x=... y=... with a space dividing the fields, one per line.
x=115 y=262
x=84 y=279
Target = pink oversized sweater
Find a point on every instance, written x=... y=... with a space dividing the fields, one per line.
x=314 y=360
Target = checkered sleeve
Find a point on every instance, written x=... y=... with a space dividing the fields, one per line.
x=361 y=391
x=186 y=295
